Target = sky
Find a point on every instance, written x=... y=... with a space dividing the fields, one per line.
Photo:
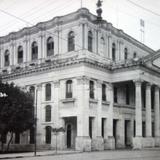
x=123 y=14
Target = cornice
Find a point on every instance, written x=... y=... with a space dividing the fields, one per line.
x=82 y=13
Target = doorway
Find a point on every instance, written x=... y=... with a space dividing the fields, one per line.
x=69 y=135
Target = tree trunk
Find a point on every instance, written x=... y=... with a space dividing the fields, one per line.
x=11 y=137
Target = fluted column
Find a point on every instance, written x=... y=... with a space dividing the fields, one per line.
x=109 y=143
x=138 y=103
x=157 y=116
x=137 y=140
x=148 y=111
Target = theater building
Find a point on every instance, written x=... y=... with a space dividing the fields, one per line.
x=95 y=81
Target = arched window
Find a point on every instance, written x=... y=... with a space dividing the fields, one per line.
x=125 y=53
x=102 y=46
x=6 y=58
x=90 y=41
x=134 y=55
x=113 y=51
x=34 y=51
x=71 y=41
x=69 y=89
x=48 y=134
x=50 y=46
x=32 y=91
x=48 y=113
x=20 y=54
x=48 y=92
x=103 y=92
x=91 y=89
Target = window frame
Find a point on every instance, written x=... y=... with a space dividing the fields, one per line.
x=34 y=51
x=48 y=92
x=50 y=46
x=48 y=113
x=90 y=41
x=69 y=89
x=71 y=41
x=20 y=58
x=91 y=89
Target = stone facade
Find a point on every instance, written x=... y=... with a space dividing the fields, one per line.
x=103 y=85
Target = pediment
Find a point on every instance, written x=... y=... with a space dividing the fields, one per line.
x=156 y=62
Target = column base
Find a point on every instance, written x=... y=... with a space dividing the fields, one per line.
x=83 y=144
x=157 y=141
x=109 y=143
x=148 y=142
x=137 y=142
x=97 y=144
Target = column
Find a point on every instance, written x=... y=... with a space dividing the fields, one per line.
x=109 y=47
x=109 y=143
x=25 y=49
x=83 y=141
x=97 y=142
x=148 y=111
x=157 y=117
x=137 y=140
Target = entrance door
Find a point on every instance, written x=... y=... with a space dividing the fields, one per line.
x=115 y=131
x=127 y=133
x=69 y=132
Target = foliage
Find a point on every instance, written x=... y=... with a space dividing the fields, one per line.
x=16 y=110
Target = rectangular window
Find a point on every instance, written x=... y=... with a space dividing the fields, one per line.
x=103 y=126
x=69 y=89
x=103 y=92
x=17 y=138
x=91 y=87
x=115 y=94
x=143 y=129
x=90 y=126
x=127 y=95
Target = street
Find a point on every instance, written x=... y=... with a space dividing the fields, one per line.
x=153 y=154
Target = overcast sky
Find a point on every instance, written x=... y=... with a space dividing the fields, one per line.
x=123 y=14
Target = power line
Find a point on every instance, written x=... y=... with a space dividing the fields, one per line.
x=146 y=9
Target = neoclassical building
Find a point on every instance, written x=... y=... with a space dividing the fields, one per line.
x=95 y=81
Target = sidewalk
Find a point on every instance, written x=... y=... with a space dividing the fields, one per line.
x=39 y=153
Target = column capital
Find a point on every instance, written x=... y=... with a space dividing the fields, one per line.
x=138 y=82
x=56 y=83
x=148 y=85
x=157 y=88
x=82 y=80
x=39 y=86
x=110 y=86
x=99 y=83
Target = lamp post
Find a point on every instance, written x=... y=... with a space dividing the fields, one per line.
x=35 y=124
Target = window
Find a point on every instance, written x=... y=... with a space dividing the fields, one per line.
x=71 y=41
x=34 y=51
x=90 y=126
x=17 y=138
x=69 y=89
x=127 y=94
x=50 y=46
x=115 y=94
x=20 y=54
x=102 y=46
x=6 y=58
x=32 y=91
x=103 y=92
x=48 y=113
x=134 y=55
x=125 y=53
x=90 y=41
x=91 y=91
x=153 y=129
x=113 y=52
x=48 y=92
x=103 y=126
x=48 y=134
x=32 y=135
x=143 y=129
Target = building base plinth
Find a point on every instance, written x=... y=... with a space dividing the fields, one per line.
x=97 y=144
x=109 y=143
x=148 y=142
x=157 y=141
x=83 y=144
x=137 y=143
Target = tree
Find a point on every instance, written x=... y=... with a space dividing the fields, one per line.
x=16 y=111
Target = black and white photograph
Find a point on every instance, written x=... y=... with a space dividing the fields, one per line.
x=80 y=79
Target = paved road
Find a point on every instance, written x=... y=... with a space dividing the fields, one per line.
x=105 y=155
